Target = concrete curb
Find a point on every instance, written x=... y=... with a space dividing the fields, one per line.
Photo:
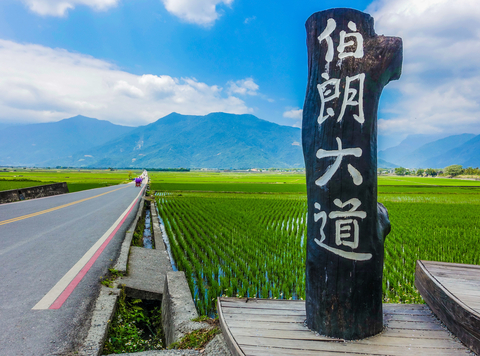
x=122 y=260
x=157 y=231
x=178 y=308
x=105 y=307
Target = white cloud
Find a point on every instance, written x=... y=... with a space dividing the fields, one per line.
x=295 y=114
x=201 y=12
x=243 y=87
x=60 y=7
x=438 y=88
x=41 y=84
x=249 y=19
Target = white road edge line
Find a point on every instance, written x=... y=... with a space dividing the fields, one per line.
x=55 y=292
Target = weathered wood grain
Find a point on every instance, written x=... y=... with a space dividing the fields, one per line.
x=455 y=306
x=409 y=330
x=344 y=266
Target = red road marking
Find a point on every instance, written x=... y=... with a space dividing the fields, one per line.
x=57 y=304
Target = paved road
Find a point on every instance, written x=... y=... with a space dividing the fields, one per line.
x=53 y=252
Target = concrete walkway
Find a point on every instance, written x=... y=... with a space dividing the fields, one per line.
x=146 y=273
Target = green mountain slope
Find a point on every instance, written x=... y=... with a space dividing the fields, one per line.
x=217 y=140
x=37 y=144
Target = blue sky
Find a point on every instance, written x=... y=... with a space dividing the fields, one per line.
x=134 y=61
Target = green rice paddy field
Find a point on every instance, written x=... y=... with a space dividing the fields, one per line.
x=243 y=234
x=76 y=179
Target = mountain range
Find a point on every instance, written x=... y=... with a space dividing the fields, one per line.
x=216 y=140
x=37 y=144
x=427 y=151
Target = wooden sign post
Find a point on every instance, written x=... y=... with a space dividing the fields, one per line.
x=348 y=66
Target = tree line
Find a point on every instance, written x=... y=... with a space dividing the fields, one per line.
x=450 y=171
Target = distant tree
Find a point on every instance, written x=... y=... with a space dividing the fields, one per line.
x=453 y=170
x=471 y=171
x=400 y=171
x=431 y=172
x=420 y=172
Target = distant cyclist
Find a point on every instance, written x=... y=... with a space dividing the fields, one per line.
x=138 y=182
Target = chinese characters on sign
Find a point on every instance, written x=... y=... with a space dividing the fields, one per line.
x=348 y=66
x=346 y=230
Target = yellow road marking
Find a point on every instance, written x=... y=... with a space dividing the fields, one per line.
x=4 y=222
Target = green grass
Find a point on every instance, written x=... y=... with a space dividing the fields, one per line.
x=135 y=327
x=13 y=184
x=76 y=180
x=440 y=181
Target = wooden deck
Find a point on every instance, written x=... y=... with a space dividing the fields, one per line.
x=453 y=293
x=276 y=327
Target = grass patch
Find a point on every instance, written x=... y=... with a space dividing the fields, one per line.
x=19 y=184
x=135 y=327
x=196 y=340
x=137 y=239
x=76 y=179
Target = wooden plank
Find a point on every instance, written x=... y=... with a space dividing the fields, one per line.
x=349 y=346
x=450 y=265
x=229 y=339
x=381 y=340
x=263 y=305
x=266 y=325
x=304 y=334
x=462 y=320
x=410 y=318
x=276 y=351
x=468 y=274
x=245 y=311
x=414 y=326
x=260 y=301
x=412 y=342
x=420 y=334
x=466 y=283
x=406 y=309
x=271 y=318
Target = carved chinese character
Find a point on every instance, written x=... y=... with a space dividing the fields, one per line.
x=346 y=229
x=358 y=53
x=339 y=154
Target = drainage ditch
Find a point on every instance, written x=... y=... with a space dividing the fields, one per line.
x=137 y=324
x=142 y=237
x=135 y=327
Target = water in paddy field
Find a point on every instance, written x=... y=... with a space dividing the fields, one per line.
x=166 y=241
x=147 y=232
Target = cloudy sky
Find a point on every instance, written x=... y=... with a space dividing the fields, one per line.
x=134 y=61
